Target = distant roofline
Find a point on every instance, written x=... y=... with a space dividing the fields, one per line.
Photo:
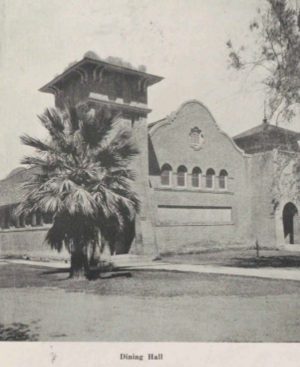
x=8 y=177
x=153 y=79
x=255 y=131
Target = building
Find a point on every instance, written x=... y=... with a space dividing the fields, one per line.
x=198 y=186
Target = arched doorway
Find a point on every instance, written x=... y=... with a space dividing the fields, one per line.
x=290 y=223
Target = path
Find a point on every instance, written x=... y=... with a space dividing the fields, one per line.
x=285 y=274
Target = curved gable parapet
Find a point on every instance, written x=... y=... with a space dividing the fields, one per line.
x=165 y=121
x=170 y=118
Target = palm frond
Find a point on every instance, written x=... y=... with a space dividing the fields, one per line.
x=80 y=201
x=64 y=186
x=124 y=144
x=123 y=173
x=50 y=203
x=35 y=182
x=44 y=163
x=34 y=161
x=105 y=200
x=97 y=126
x=109 y=158
x=55 y=237
x=36 y=143
x=105 y=119
x=52 y=120
x=119 y=152
x=72 y=117
x=89 y=132
x=119 y=179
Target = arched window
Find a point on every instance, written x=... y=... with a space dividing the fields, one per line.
x=181 y=176
x=7 y=222
x=210 y=175
x=22 y=221
x=165 y=177
x=196 y=177
x=223 y=179
x=38 y=218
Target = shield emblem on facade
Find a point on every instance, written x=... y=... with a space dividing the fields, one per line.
x=196 y=138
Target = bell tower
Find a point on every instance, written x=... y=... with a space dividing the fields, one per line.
x=95 y=82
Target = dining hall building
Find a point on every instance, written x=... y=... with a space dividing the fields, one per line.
x=198 y=187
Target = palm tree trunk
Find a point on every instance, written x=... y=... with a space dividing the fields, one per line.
x=95 y=254
x=79 y=261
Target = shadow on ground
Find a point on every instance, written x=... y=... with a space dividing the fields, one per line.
x=291 y=261
x=56 y=271
x=17 y=332
x=94 y=275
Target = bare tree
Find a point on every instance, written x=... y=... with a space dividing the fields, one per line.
x=276 y=51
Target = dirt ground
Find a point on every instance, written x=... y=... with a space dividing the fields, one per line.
x=42 y=304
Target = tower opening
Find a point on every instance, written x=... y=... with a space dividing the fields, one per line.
x=290 y=223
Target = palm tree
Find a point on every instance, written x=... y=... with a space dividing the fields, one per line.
x=83 y=179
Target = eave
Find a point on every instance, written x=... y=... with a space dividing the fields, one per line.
x=149 y=78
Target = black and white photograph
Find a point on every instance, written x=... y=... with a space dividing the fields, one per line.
x=150 y=176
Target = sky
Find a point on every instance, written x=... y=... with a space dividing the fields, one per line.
x=183 y=41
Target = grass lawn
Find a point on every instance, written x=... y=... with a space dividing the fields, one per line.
x=42 y=304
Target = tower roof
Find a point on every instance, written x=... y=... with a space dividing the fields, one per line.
x=87 y=64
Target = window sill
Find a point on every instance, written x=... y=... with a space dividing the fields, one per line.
x=194 y=190
x=165 y=224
